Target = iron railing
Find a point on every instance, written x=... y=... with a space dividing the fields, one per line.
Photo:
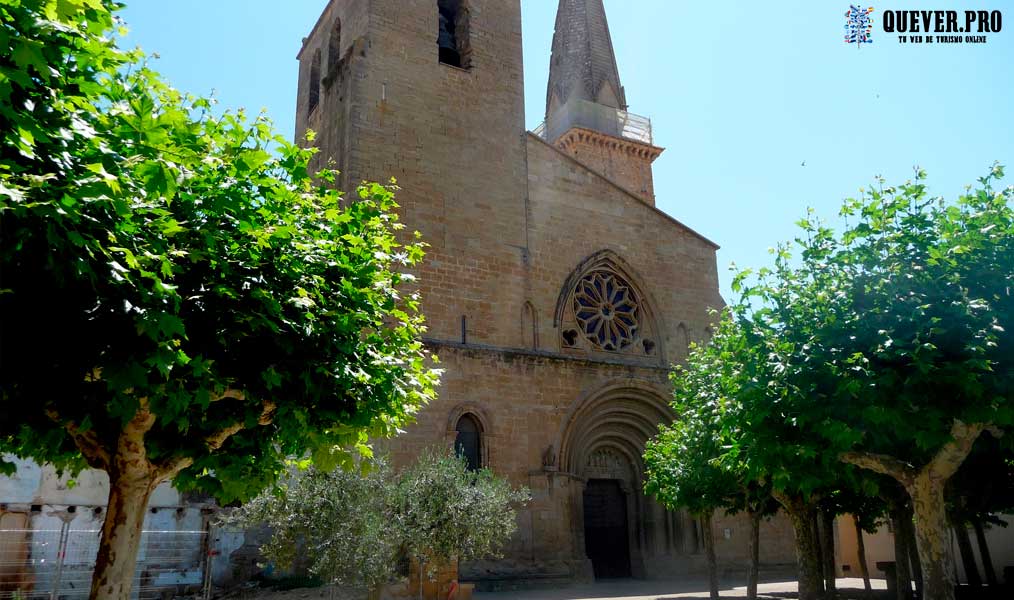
x=596 y=117
x=58 y=564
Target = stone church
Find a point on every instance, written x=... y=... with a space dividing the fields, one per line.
x=557 y=295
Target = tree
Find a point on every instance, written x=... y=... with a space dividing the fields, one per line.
x=681 y=462
x=183 y=301
x=981 y=491
x=354 y=527
x=446 y=512
x=894 y=339
x=339 y=521
x=762 y=434
x=687 y=464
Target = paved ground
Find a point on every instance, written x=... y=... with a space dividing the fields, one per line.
x=666 y=590
x=619 y=590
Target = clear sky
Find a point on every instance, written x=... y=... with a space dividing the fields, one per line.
x=762 y=107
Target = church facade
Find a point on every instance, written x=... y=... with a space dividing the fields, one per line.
x=557 y=295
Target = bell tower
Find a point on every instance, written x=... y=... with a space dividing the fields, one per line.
x=586 y=106
x=431 y=93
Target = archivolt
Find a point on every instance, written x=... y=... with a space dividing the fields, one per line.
x=622 y=415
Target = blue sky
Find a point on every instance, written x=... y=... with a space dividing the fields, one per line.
x=740 y=93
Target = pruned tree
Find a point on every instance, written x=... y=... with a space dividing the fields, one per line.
x=182 y=301
x=681 y=463
x=687 y=465
x=892 y=340
x=977 y=496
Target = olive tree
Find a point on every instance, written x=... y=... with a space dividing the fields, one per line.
x=336 y=522
x=183 y=302
x=355 y=527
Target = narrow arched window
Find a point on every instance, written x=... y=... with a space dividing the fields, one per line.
x=683 y=340
x=453 y=35
x=314 y=93
x=334 y=49
x=468 y=442
x=529 y=327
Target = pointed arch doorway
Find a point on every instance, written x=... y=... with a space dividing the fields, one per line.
x=607 y=528
x=617 y=530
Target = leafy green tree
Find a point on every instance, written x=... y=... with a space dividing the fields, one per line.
x=182 y=302
x=687 y=465
x=892 y=341
x=764 y=435
x=355 y=528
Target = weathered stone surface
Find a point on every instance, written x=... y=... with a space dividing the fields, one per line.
x=583 y=64
x=517 y=226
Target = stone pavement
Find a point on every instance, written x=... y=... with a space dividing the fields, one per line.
x=666 y=590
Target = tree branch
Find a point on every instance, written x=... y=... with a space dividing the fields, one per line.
x=881 y=463
x=949 y=458
x=229 y=394
x=95 y=454
x=215 y=441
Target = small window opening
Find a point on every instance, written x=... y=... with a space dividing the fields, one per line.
x=468 y=442
x=334 y=49
x=314 y=98
x=453 y=35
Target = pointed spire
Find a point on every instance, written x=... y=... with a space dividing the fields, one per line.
x=583 y=63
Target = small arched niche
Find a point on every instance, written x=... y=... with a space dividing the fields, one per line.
x=529 y=327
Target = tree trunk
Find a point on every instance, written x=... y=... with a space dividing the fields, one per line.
x=931 y=532
x=709 y=551
x=901 y=561
x=926 y=488
x=811 y=580
x=864 y=567
x=818 y=545
x=913 y=551
x=987 y=558
x=967 y=555
x=753 y=570
x=827 y=551
x=129 y=491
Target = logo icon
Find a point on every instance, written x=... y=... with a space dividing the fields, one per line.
x=859 y=26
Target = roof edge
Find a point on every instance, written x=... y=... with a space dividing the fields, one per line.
x=316 y=26
x=626 y=192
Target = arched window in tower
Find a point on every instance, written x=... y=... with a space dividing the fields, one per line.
x=334 y=50
x=468 y=442
x=453 y=35
x=314 y=94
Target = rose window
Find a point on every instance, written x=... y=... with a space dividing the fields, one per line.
x=606 y=309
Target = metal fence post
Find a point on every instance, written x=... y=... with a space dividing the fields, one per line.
x=61 y=554
x=209 y=559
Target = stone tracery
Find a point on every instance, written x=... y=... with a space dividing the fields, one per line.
x=603 y=308
x=607 y=308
